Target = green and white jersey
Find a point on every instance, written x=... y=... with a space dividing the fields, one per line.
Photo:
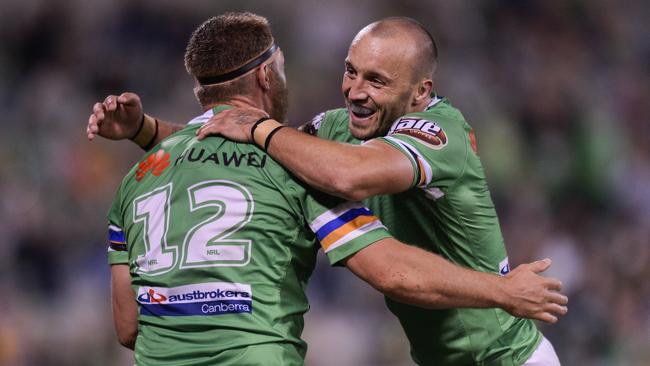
x=448 y=211
x=220 y=241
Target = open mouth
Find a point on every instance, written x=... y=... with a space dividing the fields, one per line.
x=361 y=112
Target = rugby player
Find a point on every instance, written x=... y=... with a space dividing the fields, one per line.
x=468 y=336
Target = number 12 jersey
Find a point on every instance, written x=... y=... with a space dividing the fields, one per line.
x=220 y=241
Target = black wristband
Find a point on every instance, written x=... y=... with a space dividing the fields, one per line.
x=139 y=128
x=149 y=145
x=257 y=123
x=268 y=138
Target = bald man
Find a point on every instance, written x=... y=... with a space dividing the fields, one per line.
x=412 y=157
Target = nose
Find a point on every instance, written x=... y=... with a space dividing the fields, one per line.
x=355 y=90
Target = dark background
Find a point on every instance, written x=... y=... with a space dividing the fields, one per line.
x=556 y=90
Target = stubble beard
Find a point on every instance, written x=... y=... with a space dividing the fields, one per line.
x=279 y=99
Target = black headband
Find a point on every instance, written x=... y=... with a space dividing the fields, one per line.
x=208 y=80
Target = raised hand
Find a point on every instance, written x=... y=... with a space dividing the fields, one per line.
x=116 y=118
x=534 y=296
x=234 y=124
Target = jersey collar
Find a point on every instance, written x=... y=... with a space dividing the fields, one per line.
x=208 y=114
x=435 y=99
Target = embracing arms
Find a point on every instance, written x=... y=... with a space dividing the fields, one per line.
x=415 y=276
x=353 y=172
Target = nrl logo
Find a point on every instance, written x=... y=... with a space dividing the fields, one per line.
x=424 y=130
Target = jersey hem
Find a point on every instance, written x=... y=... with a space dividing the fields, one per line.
x=526 y=355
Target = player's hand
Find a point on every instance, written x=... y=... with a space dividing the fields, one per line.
x=116 y=118
x=234 y=124
x=534 y=296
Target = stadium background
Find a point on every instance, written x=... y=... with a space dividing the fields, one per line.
x=557 y=91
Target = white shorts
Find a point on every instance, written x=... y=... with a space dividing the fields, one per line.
x=544 y=355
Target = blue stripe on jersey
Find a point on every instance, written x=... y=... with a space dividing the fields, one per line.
x=115 y=236
x=206 y=308
x=346 y=217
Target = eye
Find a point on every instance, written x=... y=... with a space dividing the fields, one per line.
x=349 y=71
x=377 y=82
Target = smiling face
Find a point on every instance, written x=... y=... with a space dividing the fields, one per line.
x=381 y=82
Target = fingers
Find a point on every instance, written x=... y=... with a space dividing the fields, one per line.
x=209 y=128
x=92 y=129
x=540 y=266
x=110 y=103
x=557 y=298
x=546 y=317
x=556 y=309
x=553 y=284
x=128 y=98
x=98 y=111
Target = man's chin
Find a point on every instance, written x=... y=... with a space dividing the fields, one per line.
x=361 y=131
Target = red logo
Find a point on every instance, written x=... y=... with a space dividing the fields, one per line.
x=472 y=140
x=156 y=163
x=151 y=296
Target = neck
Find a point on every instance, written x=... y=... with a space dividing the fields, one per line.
x=237 y=101
x=421 y=106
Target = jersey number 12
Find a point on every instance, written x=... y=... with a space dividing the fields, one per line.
x=207 y=243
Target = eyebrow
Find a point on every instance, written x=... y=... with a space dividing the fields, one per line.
x=374 y=74
x=369 y=74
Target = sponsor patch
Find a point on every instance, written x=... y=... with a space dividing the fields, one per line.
x=472 y=140
x=504 y=267
x=424 y=130
x=214 y=298
x=154 y=163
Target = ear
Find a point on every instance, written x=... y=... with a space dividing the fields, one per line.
x=263 y=77
x=423 y=91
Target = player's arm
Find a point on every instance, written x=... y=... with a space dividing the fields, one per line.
x=122 y=117
x=349 y=233
x=345 y=170
x=125 y=309
x=415 y=276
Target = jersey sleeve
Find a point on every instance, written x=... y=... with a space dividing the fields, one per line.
x=313 y=126
x=117 y=248
x=437 y=149
x=329 y=125
x=342 y=228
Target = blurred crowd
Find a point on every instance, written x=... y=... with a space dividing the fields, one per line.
x=557 y=91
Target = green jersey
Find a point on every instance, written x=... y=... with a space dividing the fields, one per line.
x=220 y=241
x=448 y=211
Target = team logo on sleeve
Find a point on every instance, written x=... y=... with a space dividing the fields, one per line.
x=504 y=267
x=424 y=130
x=312 y=126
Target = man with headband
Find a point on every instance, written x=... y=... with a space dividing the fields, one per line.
x=213 y=231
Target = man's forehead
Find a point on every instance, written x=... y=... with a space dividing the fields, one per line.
x=379 y=53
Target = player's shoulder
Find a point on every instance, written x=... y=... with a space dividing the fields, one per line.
x=435 y=127
x=327 y=121
x=441 y=111
x=442 y=108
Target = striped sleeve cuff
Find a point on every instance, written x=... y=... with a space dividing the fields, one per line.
x=346 y=229
x=424 y=173
x=117 y=249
